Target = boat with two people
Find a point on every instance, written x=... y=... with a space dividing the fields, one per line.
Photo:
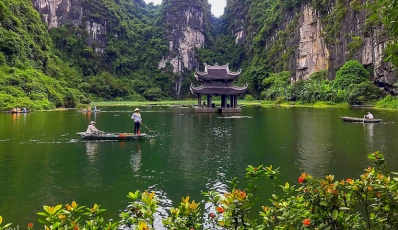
x=111 y=136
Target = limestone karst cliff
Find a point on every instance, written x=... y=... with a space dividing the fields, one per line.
x=186 y=27
x=300 y=37
x=308 y=40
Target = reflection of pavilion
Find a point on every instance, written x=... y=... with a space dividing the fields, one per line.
x=217 y=80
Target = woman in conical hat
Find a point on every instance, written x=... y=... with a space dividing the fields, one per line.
x=91 y=128
x=137 y=121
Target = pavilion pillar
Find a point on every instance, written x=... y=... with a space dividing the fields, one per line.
x=231 y=101
x=199 y=100
x=225 y=101
x=222 y=101
x=236 y=101
x=209 y=101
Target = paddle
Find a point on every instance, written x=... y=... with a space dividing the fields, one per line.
x=143 y=125
x=363 y=118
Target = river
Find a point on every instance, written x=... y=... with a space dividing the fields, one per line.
x=43 y=161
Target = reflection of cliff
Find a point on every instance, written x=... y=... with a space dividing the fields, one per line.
x=207 y=140
x=314 y=143
x=181 y=128
x=135 y=159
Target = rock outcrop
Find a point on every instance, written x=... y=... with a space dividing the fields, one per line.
x=56 y=13
x=312 y=54
x=315 y=49
x=185 y=32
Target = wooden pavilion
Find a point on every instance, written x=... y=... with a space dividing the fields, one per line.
x=217 y=81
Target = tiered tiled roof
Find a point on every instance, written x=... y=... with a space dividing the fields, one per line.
x=217 y=73
x=217 y=80
x=218 y=90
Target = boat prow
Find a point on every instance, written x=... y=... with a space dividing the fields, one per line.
x=360 y=120
x=111 y=136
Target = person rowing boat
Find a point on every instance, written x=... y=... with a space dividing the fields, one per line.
x=91 y=128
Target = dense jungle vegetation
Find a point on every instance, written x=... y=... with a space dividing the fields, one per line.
x=45 y=69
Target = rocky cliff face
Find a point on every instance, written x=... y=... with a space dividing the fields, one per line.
x=312 y=53
x=185 y=31
x=315 y=49
x=60 y=12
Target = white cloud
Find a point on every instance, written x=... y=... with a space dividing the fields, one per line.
x=217 y=6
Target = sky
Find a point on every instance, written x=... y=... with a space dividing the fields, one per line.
x=217 y=6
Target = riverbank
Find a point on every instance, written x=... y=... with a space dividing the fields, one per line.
x=387 y=103
x=192 y=103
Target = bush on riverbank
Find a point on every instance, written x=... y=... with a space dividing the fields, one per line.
x=351 y=85
x=369 y=202
x=32 y=89
x=388 y=102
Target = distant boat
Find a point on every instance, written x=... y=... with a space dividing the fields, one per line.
x=360 y=120
x=89 y=111
x=111 y=136
x=12 y=111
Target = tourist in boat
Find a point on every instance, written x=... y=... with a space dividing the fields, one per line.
x=137 y=121
x=369 y=116
x=204 y=105
x=91 y=128
x=24 y=110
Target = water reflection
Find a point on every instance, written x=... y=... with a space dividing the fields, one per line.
x=135 y=159
x=314 y=143
x=91 y=150
x=369 y=131
x=91 y=171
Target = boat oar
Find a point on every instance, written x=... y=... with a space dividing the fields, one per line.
x=148 y=128
x=143 y=125
x=363 y=118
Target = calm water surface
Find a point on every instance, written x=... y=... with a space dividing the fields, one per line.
x=43 y=162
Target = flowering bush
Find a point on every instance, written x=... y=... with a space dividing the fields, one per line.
x=369 y=202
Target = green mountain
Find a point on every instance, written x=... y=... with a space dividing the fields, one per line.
x=68 y=53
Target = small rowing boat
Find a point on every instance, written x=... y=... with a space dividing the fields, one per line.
x=361 y=120
x=111 y=136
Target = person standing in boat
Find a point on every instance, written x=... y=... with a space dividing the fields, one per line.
x=91 y=128
x=137 y=121
x=369 y=116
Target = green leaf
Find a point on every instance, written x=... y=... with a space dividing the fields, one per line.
x=42 y=214
x=42 y=221
x=287 y=185
x=58 y=207
x=335 y=214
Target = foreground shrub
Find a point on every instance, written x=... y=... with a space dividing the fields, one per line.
x=369 y=202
